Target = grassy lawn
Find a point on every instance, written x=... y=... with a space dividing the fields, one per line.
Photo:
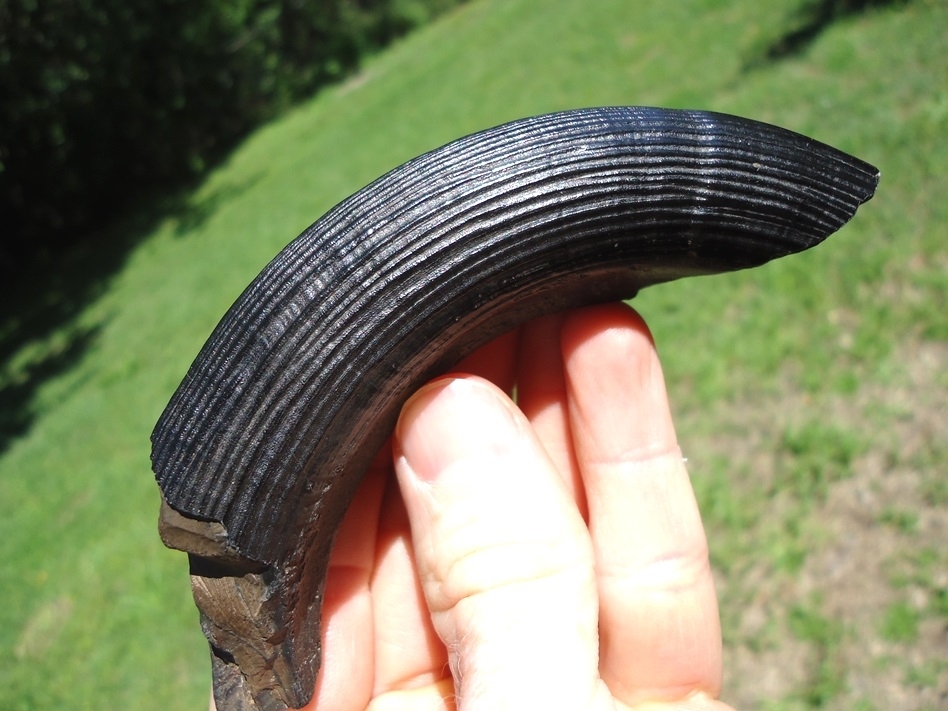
x=811 y=394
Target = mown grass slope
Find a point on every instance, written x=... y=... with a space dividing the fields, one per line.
x=810 y=393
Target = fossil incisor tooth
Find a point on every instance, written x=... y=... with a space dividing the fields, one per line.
x=265 y=441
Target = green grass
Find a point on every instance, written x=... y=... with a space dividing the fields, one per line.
x=900 y=623
x=807 y=623
x=96 y=614
x=904 y=521
x=816 y=454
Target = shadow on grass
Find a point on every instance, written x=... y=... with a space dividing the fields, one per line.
x=813 y=18
x=16 y=396
x=40 y=305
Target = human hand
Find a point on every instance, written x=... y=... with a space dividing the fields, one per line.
x=546 y=556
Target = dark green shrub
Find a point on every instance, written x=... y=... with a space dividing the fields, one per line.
x=102 y=99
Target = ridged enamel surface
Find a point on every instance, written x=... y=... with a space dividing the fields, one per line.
x=302 y=380
x=322 y=337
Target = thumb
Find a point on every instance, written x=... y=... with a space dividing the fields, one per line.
x=503 y=554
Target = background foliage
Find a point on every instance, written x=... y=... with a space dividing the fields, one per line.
x=100 y=99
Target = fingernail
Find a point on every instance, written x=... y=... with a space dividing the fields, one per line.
x=451 y=420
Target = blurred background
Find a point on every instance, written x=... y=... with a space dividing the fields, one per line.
x=155 y=156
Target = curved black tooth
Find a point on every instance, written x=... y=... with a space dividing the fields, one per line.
x=302 y=380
